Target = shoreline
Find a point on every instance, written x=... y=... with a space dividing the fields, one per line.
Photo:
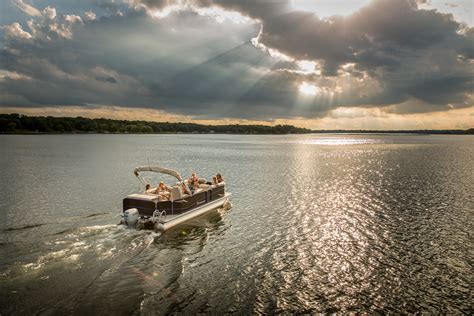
x=17 y=124
x=427 y=133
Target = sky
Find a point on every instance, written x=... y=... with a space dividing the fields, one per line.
x=320 y=64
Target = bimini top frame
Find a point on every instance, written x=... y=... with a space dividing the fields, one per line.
x=157 y=169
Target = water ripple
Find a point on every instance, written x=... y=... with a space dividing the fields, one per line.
x=319 y=224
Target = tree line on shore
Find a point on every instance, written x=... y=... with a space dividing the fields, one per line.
x=18 y=124
x=22 y=124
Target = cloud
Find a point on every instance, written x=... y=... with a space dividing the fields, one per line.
x=182 y=79
x=27 y=8
x=383 y=35
x=89 y=15
x=361 y=118
x=49 y=12
x=392 y=40
x=195 y=60
x=16 y=31
x=452 y=5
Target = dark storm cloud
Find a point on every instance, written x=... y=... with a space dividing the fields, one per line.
x=137 y=61
x=392 y=40
x=190 y=64
x=306 y=36
x=106 y=79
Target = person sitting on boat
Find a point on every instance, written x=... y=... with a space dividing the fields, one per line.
x=214 y=180
x=194 y=181
x=220 y=178
x=189 y=183
x=147 y=187
x=163 y=191
x=162 y=188
x=183 y=188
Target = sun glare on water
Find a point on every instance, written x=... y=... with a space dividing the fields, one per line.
x=308 y=89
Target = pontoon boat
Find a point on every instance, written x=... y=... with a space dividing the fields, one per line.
x=165 y=210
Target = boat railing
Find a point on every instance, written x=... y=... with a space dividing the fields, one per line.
x=159 y=216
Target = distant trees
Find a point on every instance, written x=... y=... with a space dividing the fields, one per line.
x=15 y=123
x=140 y=128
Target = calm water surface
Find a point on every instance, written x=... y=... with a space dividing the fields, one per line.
x=319 y=223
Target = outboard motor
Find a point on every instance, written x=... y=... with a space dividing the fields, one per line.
x=130 y=217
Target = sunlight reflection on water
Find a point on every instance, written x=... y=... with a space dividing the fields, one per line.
x=339 y=141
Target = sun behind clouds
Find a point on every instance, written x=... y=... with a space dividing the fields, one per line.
x=308 y=89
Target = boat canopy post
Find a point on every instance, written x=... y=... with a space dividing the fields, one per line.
x=156 y=169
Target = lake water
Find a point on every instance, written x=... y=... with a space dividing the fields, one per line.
x=319 y=223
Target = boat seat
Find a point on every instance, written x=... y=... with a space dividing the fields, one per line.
x=176 y=194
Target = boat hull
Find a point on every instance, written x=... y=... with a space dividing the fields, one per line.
x=172 y=221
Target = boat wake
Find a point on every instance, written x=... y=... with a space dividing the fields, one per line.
x=86 y=268
x=73 y=248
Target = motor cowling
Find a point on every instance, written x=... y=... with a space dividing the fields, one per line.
x=130 y=217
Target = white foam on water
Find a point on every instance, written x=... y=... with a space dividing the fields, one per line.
x=151 y=238
x=102 y=240
x=73 y=257
x=33 y=266
x=97 y=227
x=108 y=253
